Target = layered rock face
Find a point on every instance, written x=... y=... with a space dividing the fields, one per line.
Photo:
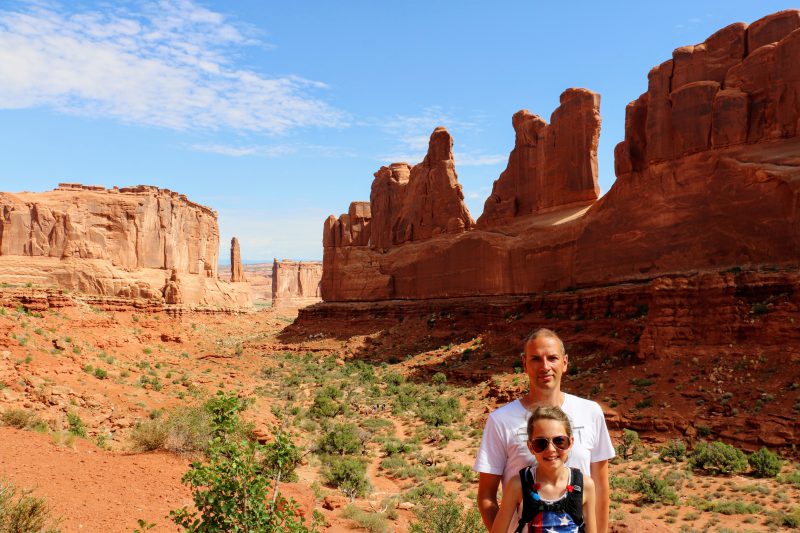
x=552 y=166
x=295 y=283
x=237 y=272
x=137 y=242
x=708 y=177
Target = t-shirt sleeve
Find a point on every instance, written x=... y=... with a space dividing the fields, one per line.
x=491 y=457
x=604 y=449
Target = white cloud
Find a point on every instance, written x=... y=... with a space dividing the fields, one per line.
x=171 y=64
x=271 y=151
x=242 y=151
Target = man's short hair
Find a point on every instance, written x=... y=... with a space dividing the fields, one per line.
x=546 y=333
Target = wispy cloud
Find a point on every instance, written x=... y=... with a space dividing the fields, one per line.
x=169 y=64
x=271 y=151
x=412 y=133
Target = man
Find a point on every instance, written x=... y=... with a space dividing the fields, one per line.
x=504 y=449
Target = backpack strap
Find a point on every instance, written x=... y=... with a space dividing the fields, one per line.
x=574 y=500
x=530 y=505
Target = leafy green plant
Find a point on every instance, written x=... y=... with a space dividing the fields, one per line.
x=230 y=489
x=631 y=446
x=348 y=474
x=764 y=463
x=342 y=439
x=76 y=425
x=718 y=458
x=439 y=411
x=673 y=451
x=654 y=489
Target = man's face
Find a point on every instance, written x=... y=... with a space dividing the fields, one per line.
x=544 y=363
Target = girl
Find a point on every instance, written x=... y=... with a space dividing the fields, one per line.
x=554 y=497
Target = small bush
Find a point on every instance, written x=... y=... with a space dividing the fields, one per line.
x=631 y=446
x=718 y=458
x=726 y=507
x=22 y=419
x=100 y=373
x=654 y=490
x=446 y=516
x=76 y=425
x=764 y=463
x=21 y=513
x=342 y=439
x=440 y=411
x=673 y=451
x=348 y=474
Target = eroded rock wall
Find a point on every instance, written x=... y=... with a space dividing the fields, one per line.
x=295 y=283
x=708 y=177
x=135 y=242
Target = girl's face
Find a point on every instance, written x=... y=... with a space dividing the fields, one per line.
x=549 y=443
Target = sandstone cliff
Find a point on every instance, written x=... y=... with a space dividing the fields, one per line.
x=295 y=283
x=708 y=177
x=136 y=242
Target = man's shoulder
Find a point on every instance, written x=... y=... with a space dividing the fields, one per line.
x=578 y=404
x=508 y=411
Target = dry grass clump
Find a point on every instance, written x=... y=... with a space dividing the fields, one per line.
x=184 y=430
x=22 y=513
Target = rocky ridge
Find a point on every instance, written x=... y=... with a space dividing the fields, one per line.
x=135 y=242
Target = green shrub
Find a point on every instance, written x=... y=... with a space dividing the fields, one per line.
x=281 y=457
x=342 y=439
x=76 y=425
x=673 y=451
x=654 y=489
x=348 y=474
x=324 y=406
x=394 y=446
x=230 y=490
x=439 y=379
x=764 y=463
x=22 y=513
x=718 y=458
x=631 y=446
x=440 y=411
x=100 y=373
x=446 y=516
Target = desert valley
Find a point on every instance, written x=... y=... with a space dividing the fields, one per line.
x=363 y=382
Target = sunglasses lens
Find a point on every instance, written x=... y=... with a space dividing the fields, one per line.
x=561 y=442
x=539 y=445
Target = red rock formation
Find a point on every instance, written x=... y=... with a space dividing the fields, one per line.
x=708 y=178
x=237 y=273
x=433 y=202
x=295 y=283
x=124 y=242
x=552 y=166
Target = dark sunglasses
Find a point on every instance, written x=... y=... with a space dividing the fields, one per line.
x=540 y=444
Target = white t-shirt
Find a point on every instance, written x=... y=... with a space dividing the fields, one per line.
x=504 y=449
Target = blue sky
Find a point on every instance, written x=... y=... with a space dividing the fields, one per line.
x=277 y=113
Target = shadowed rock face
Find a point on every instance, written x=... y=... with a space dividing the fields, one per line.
x=136 y=242
x=708 y=178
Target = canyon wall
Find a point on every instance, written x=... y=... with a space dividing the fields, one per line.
x=136 y=242
x=708 y=178
x=295 y=283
